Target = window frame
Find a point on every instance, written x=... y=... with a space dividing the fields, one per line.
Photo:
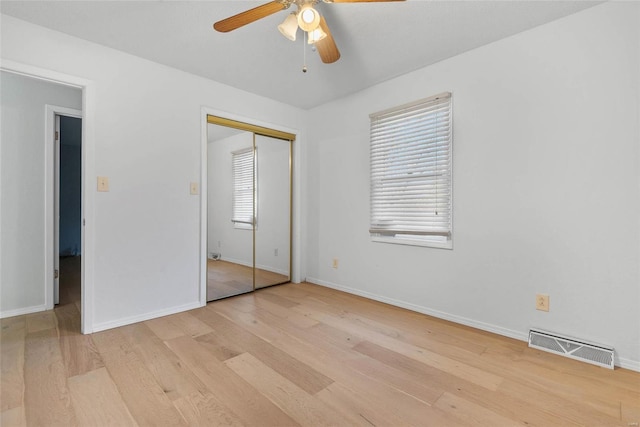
x=428 y=238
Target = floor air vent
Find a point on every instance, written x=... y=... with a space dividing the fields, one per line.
x=591 y=353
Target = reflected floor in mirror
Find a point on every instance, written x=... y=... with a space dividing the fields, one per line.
x=225 y=279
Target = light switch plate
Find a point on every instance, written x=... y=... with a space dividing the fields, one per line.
x=103 y=183
x=194 y=188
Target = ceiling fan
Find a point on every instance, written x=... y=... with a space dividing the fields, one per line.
x=305 y=17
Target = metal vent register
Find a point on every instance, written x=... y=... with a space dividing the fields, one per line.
x=595 y=354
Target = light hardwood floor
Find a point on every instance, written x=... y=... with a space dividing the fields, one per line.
x=296 y=355
x=226 y=278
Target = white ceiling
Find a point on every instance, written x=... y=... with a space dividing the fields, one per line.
x=377 y=41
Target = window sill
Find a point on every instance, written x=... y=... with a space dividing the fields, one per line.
x=238 y=226
x=413 y=242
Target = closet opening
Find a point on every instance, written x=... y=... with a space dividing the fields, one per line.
x=249 y=207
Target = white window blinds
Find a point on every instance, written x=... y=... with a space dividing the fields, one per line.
x=242 y=165
x=411 y=167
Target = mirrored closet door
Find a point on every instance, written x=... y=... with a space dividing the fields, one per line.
x=248 y=208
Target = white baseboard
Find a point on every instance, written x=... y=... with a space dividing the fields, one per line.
x=142 y=317
x=24 y=310
x=237 y=261
x=632 y=365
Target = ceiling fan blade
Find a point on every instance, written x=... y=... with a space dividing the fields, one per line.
x=248 y=16
x=327 y=48
x=360 y=1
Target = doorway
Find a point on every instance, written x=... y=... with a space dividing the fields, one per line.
x=249 y=207
x=68 y=209
x=35 y=96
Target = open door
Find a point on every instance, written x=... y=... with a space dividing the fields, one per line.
x=56 y=214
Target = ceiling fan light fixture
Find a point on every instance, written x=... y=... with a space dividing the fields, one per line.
x=316 y=35
x=308 y=18
x=289 y=26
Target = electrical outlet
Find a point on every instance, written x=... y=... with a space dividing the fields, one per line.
x=193 y=188
x=335 y=263
x=542 y=302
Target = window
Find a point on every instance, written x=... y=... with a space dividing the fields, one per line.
x=411 y=164
x=242 y=166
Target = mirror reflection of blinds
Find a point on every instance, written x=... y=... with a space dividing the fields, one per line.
x=411 y=169
x=242 y=166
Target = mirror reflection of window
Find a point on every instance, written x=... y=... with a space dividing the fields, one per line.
x=242 y=171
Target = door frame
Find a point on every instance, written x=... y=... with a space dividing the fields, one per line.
x=52 y=183
x=295 y=225
x=88 y=171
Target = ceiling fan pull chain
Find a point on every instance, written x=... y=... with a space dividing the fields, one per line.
x=304 y=53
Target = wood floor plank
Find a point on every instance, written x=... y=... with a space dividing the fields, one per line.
x=12 y=342
x=219 y=347
x=438 y=361
x=630 y=413
x=421 y=371
x=356 y=409
x=395 y=326
x=46 y=397
x=205 y=410
x=584 y=390
x=179 y=324
x=276 y=299
x=145 y=398
x=175 y=379
x=373 y=407
x=409 y=319
x=266 y=304
x=164 y=328
x=13 y=417
x=610 y=384
x=340 y=345
x=561 y=408
x=471 y=413
x=297 y=403
x=40 y=321
x=441 y=343
x=231 y=335
x=519 y=407
x=79 y=352
x=330 y=361
x=232 y=391
x=190 y=325
x=97 y=401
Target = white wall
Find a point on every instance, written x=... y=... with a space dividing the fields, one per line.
x=546 y=195
x=22 y=156
x=147 y=141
